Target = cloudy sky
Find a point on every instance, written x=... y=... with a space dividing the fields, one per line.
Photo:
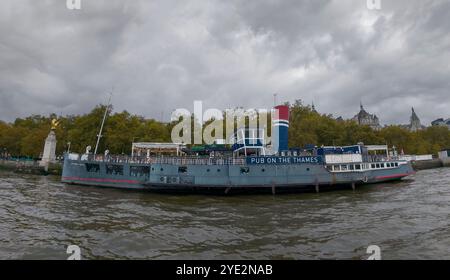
x=162 y=55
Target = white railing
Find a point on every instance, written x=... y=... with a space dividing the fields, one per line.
x=160 y=160
x=416 y=157
x=346 y=158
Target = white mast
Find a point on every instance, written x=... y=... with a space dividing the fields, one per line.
x=99 y=135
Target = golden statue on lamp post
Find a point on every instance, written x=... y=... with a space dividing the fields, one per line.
x=49 y=153
x=55 y=124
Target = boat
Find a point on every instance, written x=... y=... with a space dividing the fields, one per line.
x=248 y=164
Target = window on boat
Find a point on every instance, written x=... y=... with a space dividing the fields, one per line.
x=382 y=165
x=337 y=168
x=396 y=164
x=378 y=165
x=114 y=169
x=358 y=167
x=351 y=167
x=343 y=167
x=139 y=171
x=372 y=165
x=330 y=167
x=182 y=169
x=92 y=167
x=245 y=170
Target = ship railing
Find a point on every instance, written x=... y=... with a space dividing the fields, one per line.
x=160 y=160
x=192 y=160
x=379 y=158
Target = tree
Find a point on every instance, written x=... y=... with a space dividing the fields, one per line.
x=26 y=136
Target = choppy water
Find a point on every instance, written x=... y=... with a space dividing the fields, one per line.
x=40 y=217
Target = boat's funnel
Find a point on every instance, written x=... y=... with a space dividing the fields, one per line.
x=280 y=127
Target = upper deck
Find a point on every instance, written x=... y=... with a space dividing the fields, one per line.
x=288 y=159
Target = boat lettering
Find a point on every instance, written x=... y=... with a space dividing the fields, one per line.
x=284 y=160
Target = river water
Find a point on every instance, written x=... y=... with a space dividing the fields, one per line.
x=40 y=217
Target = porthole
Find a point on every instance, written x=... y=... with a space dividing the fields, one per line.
x=263 y=170
x=218 y=170
x=307 y=169
x=162 y=169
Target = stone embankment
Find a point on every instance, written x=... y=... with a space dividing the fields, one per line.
x=30 y=167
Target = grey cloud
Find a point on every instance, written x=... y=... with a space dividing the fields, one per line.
x=162 y=55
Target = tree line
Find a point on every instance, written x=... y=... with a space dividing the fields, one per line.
x=309 y=127
x=26 y=136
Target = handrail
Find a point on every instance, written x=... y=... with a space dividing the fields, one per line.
x=160 y=160
x=189 y=160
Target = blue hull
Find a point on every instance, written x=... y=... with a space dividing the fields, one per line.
x=169 y=177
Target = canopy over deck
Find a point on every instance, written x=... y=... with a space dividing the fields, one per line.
x=149 y=148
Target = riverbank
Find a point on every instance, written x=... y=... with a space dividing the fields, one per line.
x=427 y=164
x=30 y=167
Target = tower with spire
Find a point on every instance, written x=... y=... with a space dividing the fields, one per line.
x=414 y=121
x=364 y=118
